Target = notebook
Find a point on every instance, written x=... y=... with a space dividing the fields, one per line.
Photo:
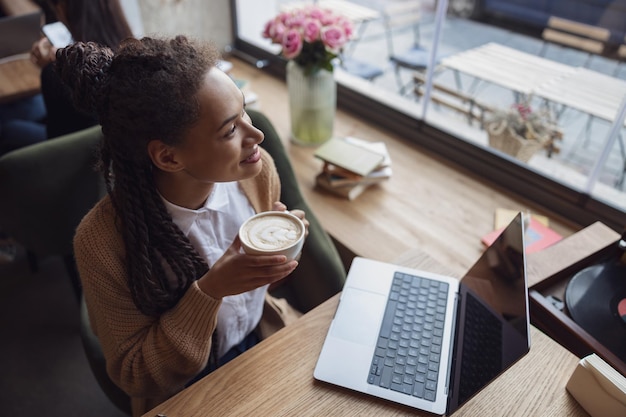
x=19 y=32
x=426 y=340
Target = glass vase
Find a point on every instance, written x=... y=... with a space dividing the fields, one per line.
x=312 y=104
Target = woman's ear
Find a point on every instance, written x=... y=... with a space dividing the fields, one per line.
x=164 y=156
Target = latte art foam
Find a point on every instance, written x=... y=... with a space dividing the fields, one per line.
x=272 y=232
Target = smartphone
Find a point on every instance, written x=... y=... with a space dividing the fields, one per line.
x=58 y=34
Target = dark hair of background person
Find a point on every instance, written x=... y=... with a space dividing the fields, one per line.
x=144 y=91
x=101 y=21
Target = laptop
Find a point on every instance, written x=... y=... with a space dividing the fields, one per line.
x=426 y=340
x=19 y=32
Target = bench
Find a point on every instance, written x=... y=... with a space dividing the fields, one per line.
x=472 y=109
x=584 y=37
x=452 y=99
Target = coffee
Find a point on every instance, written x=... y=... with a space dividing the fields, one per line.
x=272 y=232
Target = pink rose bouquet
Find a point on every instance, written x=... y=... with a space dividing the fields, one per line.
x=310 y=36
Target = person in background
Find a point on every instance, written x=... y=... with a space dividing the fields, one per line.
x=170 y=294
x=101 y=21
x=52 y=113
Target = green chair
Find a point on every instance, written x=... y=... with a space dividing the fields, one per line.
x=46 y=190
x=97 y=363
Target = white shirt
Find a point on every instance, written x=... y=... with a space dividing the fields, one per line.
x=211 y=230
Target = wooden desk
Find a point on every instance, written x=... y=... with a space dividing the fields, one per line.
x=275 y=378
x=19 y=78
x=427 y=204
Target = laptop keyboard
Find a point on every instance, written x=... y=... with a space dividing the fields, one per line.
x=409 y=343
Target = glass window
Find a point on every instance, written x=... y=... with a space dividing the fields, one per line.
x=535 y=88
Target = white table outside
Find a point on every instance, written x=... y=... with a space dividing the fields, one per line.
x=527 y=75
x=599 y=95
x=515 y=70
x=587 y=91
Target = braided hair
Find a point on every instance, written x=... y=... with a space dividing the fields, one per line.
x=145 y=90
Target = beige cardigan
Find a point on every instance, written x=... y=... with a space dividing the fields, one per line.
x=150 y=358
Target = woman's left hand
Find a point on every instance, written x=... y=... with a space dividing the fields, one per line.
x=42 y=52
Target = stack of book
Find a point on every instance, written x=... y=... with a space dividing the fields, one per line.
x=351 y=165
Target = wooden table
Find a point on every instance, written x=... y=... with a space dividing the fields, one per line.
x=275 y=378
x=19 y=78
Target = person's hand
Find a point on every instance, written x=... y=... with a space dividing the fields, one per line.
x=42 y=52
x=278 y=206
x=236 y=272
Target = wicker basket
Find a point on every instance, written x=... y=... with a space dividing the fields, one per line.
x=503 y=138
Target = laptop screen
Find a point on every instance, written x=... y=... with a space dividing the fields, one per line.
x=493 y=323
x=19 y=33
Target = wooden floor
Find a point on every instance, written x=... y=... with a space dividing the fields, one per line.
x=428 y=204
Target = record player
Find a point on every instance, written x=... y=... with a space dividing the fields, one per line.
x=578 y=293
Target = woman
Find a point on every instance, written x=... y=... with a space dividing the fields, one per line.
x=166 y=284
x=100 y=21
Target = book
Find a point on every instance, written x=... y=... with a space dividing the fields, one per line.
x=349 y=156
x=339 y=177
x=378 y=147
x=351 y=165
x=348 y=191
x=537 y=236
x=503 y=217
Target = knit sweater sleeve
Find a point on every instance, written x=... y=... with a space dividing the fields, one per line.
x=147 y=357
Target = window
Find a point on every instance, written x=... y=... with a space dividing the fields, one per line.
x=473 y=73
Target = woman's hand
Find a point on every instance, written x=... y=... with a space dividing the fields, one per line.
x=42 y=52
x=236 y=272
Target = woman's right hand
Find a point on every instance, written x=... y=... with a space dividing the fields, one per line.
x=42 y=52
x=236 y=272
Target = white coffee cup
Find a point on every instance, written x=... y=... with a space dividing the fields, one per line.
x=273 y=233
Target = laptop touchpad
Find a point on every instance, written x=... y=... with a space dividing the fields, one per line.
x=358 y=316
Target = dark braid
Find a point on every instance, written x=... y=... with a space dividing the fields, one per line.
x=145 y=91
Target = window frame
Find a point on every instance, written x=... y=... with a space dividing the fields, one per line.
x=497 y=170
